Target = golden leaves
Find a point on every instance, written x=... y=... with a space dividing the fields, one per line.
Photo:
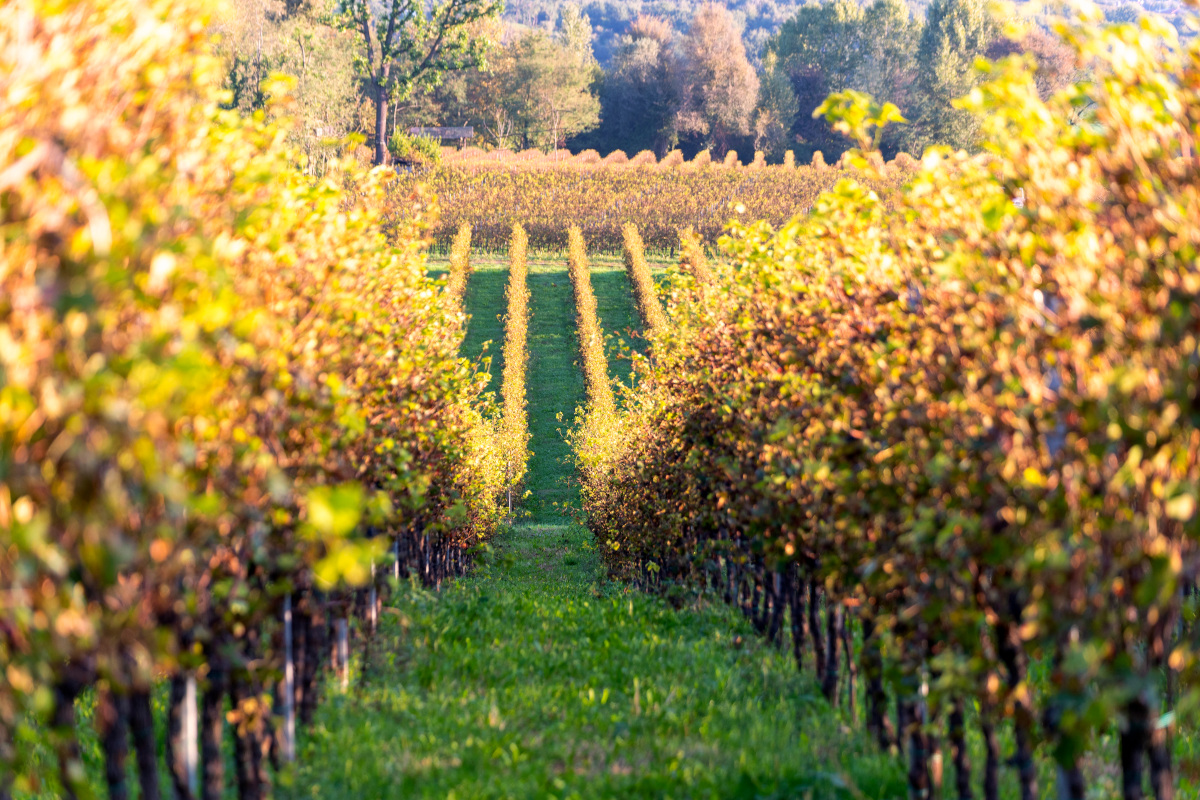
x=972 y=415
x=205 y=355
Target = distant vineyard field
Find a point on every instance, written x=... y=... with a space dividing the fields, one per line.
x=494 y=191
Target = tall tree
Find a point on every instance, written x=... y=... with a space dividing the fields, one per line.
x=719 y=85
x=839 y=45
x=575 y=33
x=1057 y=63
x=777 y=109
x=407 y=45
x=823 y=36
x=641 y=94
x=537 y=90
x=888 y=45
x=262 y=37
x=957 y=32
x=550 y=91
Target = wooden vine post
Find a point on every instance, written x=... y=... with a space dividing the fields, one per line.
x=288 y=734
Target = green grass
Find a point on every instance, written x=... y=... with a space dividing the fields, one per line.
x=536 y=678
x=555 y=388
x=618 y=315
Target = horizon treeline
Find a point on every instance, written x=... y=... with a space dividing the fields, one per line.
x=720 y=77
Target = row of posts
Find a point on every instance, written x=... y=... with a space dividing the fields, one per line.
x=191 y=718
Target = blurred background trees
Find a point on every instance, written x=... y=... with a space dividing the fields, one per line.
x=632 y=75
x=719 y=85
x=640 y=93
x=261 y=37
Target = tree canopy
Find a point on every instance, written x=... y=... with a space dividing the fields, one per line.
x=405 y=45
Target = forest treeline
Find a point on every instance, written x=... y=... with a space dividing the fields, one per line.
x=629 y=76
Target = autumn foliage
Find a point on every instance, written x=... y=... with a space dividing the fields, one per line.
x=216 y=378
x=543 y=193
x=460 y=266
x=692 y=257
x=642 y=280
x=515 y=426
x=954 y=439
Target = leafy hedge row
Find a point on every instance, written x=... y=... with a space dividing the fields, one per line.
x=515 y=426
x=642 y=280
x=967 y=425
x=692 y=257
x=591 y=335
x=215 y=376
x=460 y=266
x=596 y=423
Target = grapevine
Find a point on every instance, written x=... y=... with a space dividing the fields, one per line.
x=600 y=198
x=642 y=281
x=225 y=397
x=952 y=438
x=515 y=444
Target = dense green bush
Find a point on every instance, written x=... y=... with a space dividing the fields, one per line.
x=408 y=148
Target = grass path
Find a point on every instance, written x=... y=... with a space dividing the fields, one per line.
x=536 y=678
x=539 y=678
x=555 y=387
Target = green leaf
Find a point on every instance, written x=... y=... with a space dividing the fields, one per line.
x=334 y=511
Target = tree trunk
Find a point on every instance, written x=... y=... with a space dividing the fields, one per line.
x=381 y=110
x=112 y=716
x=245 y=741
x=758 y=603
x=730 y=581
x=958 y=751
x=365 y=667
x=903 y=711
x=851 y=663
x=775 y=623
x=1134 y=740
x=814 y=627
x=70 y=761
x=918 y=753
x=212 y=729
x=141 y=725
x=796 y=600
x=878 y=722
x=1162 y=778
x=7 y=755
x=833 y=624
x=1071 y=785
x=1162 y=642
x=1012 y=657
x=301 y=631
x=991 y=765
x=314 y=657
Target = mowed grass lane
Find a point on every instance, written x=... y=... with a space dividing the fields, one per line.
x=537 y=678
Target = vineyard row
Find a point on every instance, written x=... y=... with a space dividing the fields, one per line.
x=231 y=409
x=600 y=202
x=515 y=425
x=951 y=442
